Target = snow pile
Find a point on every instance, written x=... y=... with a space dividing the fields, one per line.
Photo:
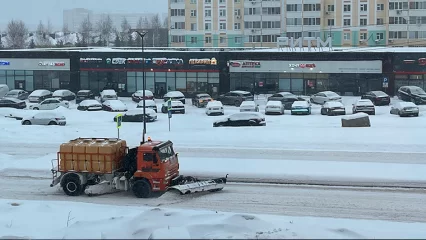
x=70 y=220
x=355 y=116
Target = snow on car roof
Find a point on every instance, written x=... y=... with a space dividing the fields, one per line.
x=285 y=93
x=48 y=114
x=379 y=93
x=174 y=94
x=203 y=95
x=330 y=93
x=333 y=104
x=364 y=101
x=148 y=93
x=139 y=111
x=245 y=115
x=300 y=104
x=89 y=102
x=109 y=92
x=274 y=103
x=114 y=103
x=405 y=104
x=148 y=102
x=40 y=92
x=214 y=103
x=84 y=91
x=248 y=103
x=12 y=99
x=240 y=92
x=15 y=90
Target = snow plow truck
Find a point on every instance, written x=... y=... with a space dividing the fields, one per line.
x=97 y=166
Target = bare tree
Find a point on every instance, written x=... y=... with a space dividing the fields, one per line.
x=49 y=28
x=155 y=26
x=42 y=36
x=67 y=34
x=17 y=34
x=86 y=29
x=166 y=22
x=125 y=27
x=105 y=29
x=140 y=24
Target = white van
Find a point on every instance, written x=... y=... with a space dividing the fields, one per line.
x=108 y=94
x=3 y=90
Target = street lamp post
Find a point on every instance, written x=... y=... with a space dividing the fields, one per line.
x=142 y=35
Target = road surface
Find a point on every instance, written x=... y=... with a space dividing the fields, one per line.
x=338 y=202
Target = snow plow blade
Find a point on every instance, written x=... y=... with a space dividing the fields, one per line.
x=190 y=185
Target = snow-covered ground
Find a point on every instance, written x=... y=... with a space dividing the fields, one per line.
x=65 y=220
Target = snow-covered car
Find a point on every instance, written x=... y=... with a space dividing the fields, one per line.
x=242 y=119
x=301 y=108
x=365 y=106
x=201 y=100
x=49 y=104
x=274 y=107
x=214 y=108
x=89 y=105
x=12 y=103
x=136 y=115
x=326 y=96
x=64 y=94
x=114 y=106
x=39 y=95
x=287 y=98
x=18 y=94
x=333 y=108
x=45 y=118
x=108 y=94
x=177 y=106
x=405 y=109
x=4 y=89
x=175 y=96
x=148 y=104
x=138 y=95
x=249 y=106
x=83 y=95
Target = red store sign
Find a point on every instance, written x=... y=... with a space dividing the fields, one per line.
x=420 y=61
x=55 y=64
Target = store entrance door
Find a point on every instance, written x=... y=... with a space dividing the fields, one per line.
x=160 y=89
x=20 y=84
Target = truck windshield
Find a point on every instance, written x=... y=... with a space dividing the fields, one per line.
x=166 y=152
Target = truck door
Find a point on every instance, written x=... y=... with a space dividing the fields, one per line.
x=150 y=163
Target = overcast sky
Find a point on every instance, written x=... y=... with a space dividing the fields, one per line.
x=32 y=11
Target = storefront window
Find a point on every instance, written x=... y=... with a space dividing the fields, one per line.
x=2 y=77
x=160 y=77
x=171 y=81
x=181 y=81
x=213 y=77
x=191 y=83
x=131 y=82
x=149 y=82
x=84 y=80
x=247 y=81
x=202 y=85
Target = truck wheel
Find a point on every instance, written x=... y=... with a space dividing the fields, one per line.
x=142 y=189
x=72 y=186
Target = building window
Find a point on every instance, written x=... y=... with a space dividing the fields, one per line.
x=347 y=36
x=178 y=39
x=237 y=26
x=207 y=13
x=254 y=38
x=294 y=21
x=398 y=5
x=222 y=13
x=379 y=21
x=271 y=10
x=380 y=7
x=222 y=26
x=346 y=22
x=251 y=11
x=237 y=12
x=207 y=26
x=25 y=79
x=294 y=7
x=222 y=1
x=363 y=36
x=330 y=22
x=177 y=12
x=330 y=8
x=193 y=13
x=193 y=1
x=271 y=24
x=222 y=40
x=207 y=1
x=363 y=22
x=346 y=8
x=380 y=36
x=194 y=27
x=252 y=24
x=311 y=7
x=194 y=40
x=237 y=40
x=208 y=39
x=179 y=25
x=237 y=1
x=397 y=20
x=363 y=7
x=311 y=21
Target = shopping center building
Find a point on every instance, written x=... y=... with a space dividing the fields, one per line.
x=350 y=71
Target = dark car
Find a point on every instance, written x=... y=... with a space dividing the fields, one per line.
x=201 y=100
x=412 y=94
x=90 y=105
x=83 y=95
x=379 y=98
x=235 y=98
x=333 y=108
x=136 y=115
x=138 y=95
x=64 y=94
x=287 y=98
x=12 y=103
x=242 y=119
x=17 y=93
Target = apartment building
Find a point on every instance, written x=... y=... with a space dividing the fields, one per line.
x=258 y=23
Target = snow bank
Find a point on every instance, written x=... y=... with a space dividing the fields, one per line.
x=71 y=220
x=355 y=116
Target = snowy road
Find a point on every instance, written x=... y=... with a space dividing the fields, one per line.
x=42 y=149
x=360 y=203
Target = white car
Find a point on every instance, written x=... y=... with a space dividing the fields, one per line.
x=174 y=95
x=89 y=105
x=214 y=108
x=405 y=109
x=45 y=118
x=39 y=95
x=177 y=106
x=64 y=95
x=276 y=107
x=365 y=106
x=333 y=108
x=108 y=94
x=249 y=106
x=148 y=104
x=326 y=96
x=114 y=106
x=50 y=104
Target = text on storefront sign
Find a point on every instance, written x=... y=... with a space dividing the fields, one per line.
x=157 y=61
x=56 y=64
x=204 y=61
x=301 y=65
x=4 y=63
x=420 y=61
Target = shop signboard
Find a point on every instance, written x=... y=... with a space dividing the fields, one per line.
x=409 y=63
x=33 y=64
x=306 y=66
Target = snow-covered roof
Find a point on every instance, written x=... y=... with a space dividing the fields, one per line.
x=108 y=92
x=15 y=91
x=285 y=93
x=40 y=92
x=115 y=104
x=248 y=104
x=174 y=94
x=203 y=95
x=333 y=104
x=364 y=102
x=148 y=102
x=274 y=103
x=214 y=104
x=355 y=116
x=60 y=92
x=405 y=104
x=139 y=93
x=300 y=104
x=89 y=102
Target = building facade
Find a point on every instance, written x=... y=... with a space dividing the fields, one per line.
x=258 y=23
